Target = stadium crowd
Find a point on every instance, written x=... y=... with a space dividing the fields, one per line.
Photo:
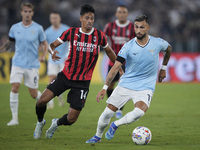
x=177 y=21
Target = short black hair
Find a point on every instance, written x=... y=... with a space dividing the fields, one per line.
x=86 y=8
x=141 y=18
x=122 y=6
x=55 y=12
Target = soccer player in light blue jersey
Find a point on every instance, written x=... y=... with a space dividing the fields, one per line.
x=52 y=33
x=138 y=82
x=27 y=35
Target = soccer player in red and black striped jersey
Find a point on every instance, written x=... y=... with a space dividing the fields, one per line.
x=77 y=73
x=119 y=32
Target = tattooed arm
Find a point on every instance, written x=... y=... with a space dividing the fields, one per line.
x=112 y=73
x=6 y=47
x=167 y=54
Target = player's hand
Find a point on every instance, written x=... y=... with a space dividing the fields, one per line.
x=162 y=75
x=55 y=57
x=101 y=95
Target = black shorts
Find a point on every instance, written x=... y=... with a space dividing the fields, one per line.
x=78 y=93
x=117 y=75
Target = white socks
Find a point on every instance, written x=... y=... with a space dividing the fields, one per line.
x=105 y=117
x=104 y=120
x=38 y=95
x=130 y=117
x=14 y=103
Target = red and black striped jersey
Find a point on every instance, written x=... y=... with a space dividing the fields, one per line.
x=119 y=34
x=83 y=52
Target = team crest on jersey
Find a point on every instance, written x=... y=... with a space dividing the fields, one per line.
x=152 y=51
x=94 y=38
x=32 y=32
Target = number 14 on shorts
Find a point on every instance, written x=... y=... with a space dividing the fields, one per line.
x=83 y=94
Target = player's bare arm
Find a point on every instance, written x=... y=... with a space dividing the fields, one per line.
x=6 y=46
x=44 y=45
x=167 y=54
x=52 y=50
x=112 y=73
x=110 y=53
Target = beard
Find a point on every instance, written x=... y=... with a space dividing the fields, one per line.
x=140 y=37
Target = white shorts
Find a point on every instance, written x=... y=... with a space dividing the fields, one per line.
x=31 y=76
x=120 y=96
x=54 y=69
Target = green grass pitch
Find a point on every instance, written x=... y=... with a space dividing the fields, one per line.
x=173 y=118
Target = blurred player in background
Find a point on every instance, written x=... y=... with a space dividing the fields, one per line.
x=84 y=49
x=138 y=82
x=119 y=32
x=52 y=33
x=27 y=35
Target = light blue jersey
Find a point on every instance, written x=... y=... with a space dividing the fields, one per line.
x=27 y=40
x=141 y=63
x=52 y=35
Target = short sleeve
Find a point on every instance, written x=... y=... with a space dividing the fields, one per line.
x=42 y=36
x=11 y=33
x=123 y=52
x=64 y=36
x=164 y=45
x=104 y=42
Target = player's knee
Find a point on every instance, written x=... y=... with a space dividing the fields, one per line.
x=15 y=88
x=33 y=95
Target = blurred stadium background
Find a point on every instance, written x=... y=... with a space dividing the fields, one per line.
x=177 y=21
x=173 y=117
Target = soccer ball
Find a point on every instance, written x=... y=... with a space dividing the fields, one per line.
x=141 y=135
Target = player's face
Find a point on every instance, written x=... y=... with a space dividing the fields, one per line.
x=141 y=29
x=87 y=21
x=27 y=14
x=55 y=19
x=122 y=14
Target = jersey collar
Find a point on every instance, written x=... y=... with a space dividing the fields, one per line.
x=28 y=25
x=80 y=29
x=122 y=25
x=144 y=44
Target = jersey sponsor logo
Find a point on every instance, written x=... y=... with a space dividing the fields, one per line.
x=84 y=47
x=120 y=40
x=152 y=51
